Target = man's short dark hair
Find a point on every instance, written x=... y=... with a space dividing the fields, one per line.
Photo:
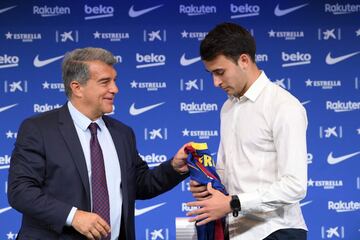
x=230 y=40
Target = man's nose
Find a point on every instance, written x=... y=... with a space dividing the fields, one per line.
x=217 y=81
x=114 y=88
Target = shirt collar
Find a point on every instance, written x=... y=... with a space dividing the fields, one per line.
x=81 y=120
x=255 y=89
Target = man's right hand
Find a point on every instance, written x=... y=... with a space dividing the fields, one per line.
x=199 y=191
x=90 y=224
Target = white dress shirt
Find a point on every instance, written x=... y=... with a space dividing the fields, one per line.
x=262 y=158
x=111 y=163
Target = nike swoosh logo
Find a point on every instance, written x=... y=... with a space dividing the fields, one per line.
x=136 y=13
x=334 y=160
x=330 y=60
x=2 y=210
x=6 y=9
x=136 y=111
x=7 y=107
x=41 y=63
x=141 y=211
x=281 y=12
x=186 y=62
x=305 y=102
x=305 y=203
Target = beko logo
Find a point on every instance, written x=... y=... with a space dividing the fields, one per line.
x=4 y=162
x=295 y=59
x=9 y=61
x=98 y=12
x=150 y=60
x=46 y=11
x=192 y=10
x=246 y=10
x=154 y=159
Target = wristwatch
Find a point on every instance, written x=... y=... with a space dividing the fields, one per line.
x=235 y=205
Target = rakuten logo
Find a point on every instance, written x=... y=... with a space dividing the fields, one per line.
x=341 y=9
x=39 y=108
x=9 y=61
x=192 y=10
x=193 y=108
x=295 y=59
x=150 y=60
x=98 y=12
x=340 y=106
x=244 y=10
x=186 y=208
x=45 y=11
x=341 y=206
x=153 y=159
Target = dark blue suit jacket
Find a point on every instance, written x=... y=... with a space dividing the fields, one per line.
x=48 y=175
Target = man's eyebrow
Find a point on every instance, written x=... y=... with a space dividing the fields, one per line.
x=104 y=79
x=215 y=70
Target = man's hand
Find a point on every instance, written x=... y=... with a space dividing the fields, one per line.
x=213 y=208
x=90 y=224
x=199 y=191
x=179 y=161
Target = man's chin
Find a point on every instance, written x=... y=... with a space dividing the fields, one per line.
x=109 y=110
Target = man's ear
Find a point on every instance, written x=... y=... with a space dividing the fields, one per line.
x=75 y=88
x=244 y=60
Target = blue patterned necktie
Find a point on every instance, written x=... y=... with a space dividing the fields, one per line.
x=100 y=196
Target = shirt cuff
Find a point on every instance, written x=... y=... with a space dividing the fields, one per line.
x=250 y=202
x=70 y=217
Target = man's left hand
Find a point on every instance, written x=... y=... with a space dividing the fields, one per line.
x=217 y=206
x=179 y=161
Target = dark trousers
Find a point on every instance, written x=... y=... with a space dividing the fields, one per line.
x=288 y=234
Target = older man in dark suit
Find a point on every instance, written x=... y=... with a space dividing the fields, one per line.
x=75 y=173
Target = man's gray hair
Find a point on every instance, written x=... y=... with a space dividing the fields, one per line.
x=75 y=68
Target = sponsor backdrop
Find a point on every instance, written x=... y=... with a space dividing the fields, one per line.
x=310 y=48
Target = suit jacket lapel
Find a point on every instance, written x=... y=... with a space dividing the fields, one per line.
x=68 y=131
